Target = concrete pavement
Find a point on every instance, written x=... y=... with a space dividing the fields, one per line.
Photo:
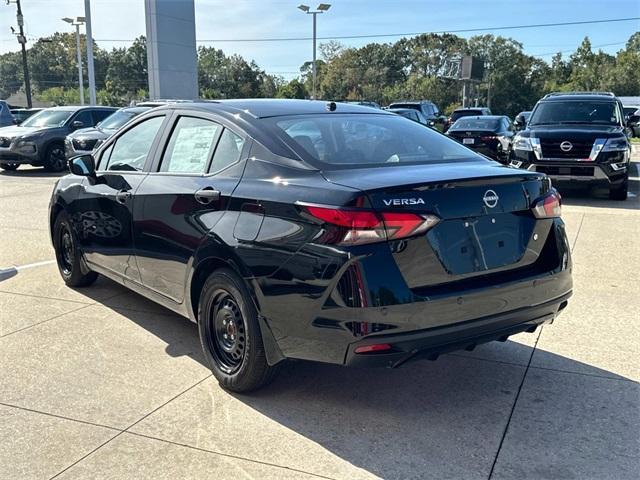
x=102 y=383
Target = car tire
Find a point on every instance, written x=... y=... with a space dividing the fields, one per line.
x=55 y=159
x=68 y=256
x=230 y=334
x=9 y=167
x=621 y=192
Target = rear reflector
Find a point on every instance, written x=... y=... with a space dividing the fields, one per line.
x=354 y=227
x=549 y=206
x=377 y=347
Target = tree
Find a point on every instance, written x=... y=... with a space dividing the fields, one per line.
x=293 y=89
x=126 y=72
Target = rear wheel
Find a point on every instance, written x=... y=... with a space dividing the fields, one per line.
x=620 y=192
x=9 y=166
x=67 y=254
x=230 y=334
x=55 y=159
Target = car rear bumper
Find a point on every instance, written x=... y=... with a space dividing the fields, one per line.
x=592 y=175
x=431 y=343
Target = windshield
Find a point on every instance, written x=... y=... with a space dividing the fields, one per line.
x=347 y=141
x=475 y=124
x=117 y=119
x=464 y=113
x=48 y=118
x=572 y=111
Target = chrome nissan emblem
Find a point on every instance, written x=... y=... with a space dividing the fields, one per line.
x=566 y=146
x=490 y=198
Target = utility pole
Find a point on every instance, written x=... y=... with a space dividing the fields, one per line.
x=76 y=23
x=22 y=40
x=90 y=70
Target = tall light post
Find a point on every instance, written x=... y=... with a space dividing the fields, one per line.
x=22 y=40
x=323 y=7
x=76 y=23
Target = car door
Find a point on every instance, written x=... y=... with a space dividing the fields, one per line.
x=187 y=193
x=102 y=211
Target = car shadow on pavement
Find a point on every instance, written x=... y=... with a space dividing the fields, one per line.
x=442 y=419
x=32 y=173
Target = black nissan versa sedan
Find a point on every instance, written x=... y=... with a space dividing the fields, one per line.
x=577 y=139
x=311 y=230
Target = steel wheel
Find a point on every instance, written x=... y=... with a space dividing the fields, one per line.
x=226 y=328
x=66 y=252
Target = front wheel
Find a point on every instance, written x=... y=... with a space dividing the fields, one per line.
x=10 y=167
x=55 y=159
x=230 y=334
x=620 y=192
x=67 y=254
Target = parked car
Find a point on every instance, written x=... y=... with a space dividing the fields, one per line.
x=39 y=140
x=579 y=139
x=85 y=140
x=21 y=114
x=6 y=118
x=427 y=108
x=464 y=112
x=388 y=243
x=633 y=122
x=491 y=135
x=412 y=114
x=520 y=122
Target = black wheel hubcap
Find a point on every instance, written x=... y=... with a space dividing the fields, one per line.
x=226 y=328
x=66 y=251
x=57 y=159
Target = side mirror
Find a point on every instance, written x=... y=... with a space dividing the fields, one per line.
x=633 y=120
x=431 y=123
x=84 y=166
x=77 y=124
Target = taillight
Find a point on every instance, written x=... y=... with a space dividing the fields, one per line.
x=488 y=138
x=354 y=227
x=549 y=206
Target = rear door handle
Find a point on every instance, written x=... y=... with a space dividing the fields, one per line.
x=122 y=196
x=207 y=195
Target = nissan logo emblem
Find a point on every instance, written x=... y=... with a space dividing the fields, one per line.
x=566 y=146
x=490 y=198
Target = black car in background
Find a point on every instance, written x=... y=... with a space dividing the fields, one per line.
x=464 y=112
x=491 y=135
x=21 y=114
x=301 y=229
x=521 y=120
x=85 y=140
x=427 y=108
x=578 y=139
x=412 y=114
x=633 y=122
x=39 y=140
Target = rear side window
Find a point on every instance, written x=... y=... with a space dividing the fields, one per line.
x=190 y=146
x=132 y=148
x=227 y=152
x=365 y=140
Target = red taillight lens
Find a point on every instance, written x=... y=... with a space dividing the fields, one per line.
x=353 y=227
x=549 y=206
x=488 y=138
x=377 y=347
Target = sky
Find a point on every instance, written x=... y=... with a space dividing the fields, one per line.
x=117 y=22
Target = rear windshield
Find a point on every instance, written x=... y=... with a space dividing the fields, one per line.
x=464 y=113
x=364 y=140
x=548 y=113
x=117 y=119
x=476 y=124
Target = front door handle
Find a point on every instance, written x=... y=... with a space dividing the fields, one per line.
x=122 y=196
x=207 y=195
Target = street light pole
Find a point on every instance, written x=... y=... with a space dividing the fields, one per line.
x=76 y=23
x=90 y=70
x=22 y=40
x=323 y=7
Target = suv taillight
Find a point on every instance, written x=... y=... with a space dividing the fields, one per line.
x=355 y=227
x=549 y=206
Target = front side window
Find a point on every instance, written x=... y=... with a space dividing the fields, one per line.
x=366 y=140
x=190 y=146
x=48 y=118
x=132 y=147
x=575 y=111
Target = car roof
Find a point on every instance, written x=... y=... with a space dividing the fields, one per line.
x=483 y=117
x=410 y=102
x=75 y=108
x=137 y=108
x=471 y=108
x=266 y=107
x=399 y=109
x=573 y=97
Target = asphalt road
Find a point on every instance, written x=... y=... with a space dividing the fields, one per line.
x=101 y=383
